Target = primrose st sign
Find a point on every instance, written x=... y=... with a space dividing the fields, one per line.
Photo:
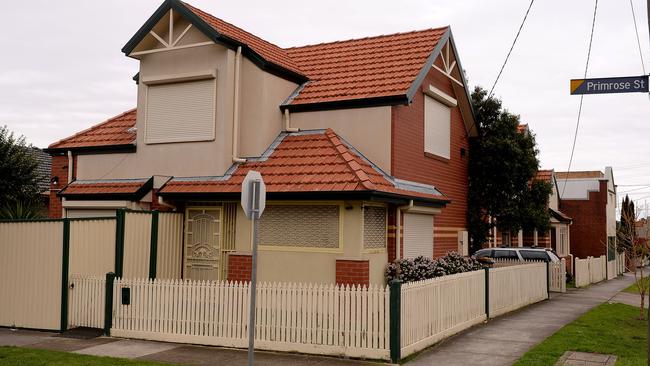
x=628 y=84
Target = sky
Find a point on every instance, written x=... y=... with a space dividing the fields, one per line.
x=62 y=70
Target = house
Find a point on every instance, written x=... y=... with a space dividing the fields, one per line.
x=589 y=197
x=359 y=142
x=43 y=169
x=556 y=238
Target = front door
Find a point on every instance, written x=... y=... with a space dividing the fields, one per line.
x=203 y=243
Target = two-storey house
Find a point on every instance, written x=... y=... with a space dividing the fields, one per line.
x=360 y=142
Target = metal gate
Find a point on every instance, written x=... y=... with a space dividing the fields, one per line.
x=203 y=243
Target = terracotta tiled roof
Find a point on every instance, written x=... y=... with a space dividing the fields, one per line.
x=544 y=175
x=363 y=68
x=266 y=49
x=315 y=161
x=43 y=169
x=114 y=131
x=580 y=175
x=107 y=187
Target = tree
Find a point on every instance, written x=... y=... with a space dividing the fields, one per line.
x=626 y=226
x=638 y=250
x=18 y=174
x=502 y=165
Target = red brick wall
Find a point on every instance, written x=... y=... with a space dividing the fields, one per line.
x=240 y=267
x=408 y=161
x=353 y=272
x=60 y=170
x=589 y=228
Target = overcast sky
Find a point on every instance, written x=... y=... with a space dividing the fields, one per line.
x=62 y=70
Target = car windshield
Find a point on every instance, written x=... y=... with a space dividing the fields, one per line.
x=536 y=255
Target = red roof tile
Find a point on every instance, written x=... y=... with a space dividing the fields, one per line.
x=314 y=162
x=105 y=187
x=544 y=175
x=363 y=68
x=266 y=49
x=580 y=175
x=112 y=132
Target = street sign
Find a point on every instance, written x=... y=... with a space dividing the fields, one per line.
x=253 y=194
x=627 y=84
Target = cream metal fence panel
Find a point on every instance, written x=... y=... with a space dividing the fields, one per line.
x=86 y=301
x=319 y=319
x=92 y=246
x=513 y=287
x=30 y=274
x=170 y=245
x=137 y=243
x=437 y=308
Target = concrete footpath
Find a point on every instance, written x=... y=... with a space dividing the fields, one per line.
x=499 y=342
x=505 y=339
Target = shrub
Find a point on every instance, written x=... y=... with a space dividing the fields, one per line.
x=422 y=268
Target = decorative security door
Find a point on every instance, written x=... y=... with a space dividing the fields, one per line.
x=203 y=243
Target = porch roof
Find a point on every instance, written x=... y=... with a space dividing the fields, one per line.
x=130 y=189
x=560 y=216
x=316 y=162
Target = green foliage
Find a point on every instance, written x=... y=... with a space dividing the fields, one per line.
x=502 y=164
x=422 y=268
x=608 y=328
x=18 y=175
x=17 y=210
x=626 y=230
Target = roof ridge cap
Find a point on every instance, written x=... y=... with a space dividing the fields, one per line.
x=359 y=173
x=92 y=127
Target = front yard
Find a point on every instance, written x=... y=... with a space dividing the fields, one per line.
x=608 y=328
x=34 y=357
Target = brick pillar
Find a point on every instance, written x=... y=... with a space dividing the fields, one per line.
x=240 y=267
x=353 y=272
x=392 y=237
x=59 y=171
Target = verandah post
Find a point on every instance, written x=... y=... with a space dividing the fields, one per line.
x=487 y=292
x=395 y=320
x=120 y=216
x=65 y=266
x=108 y=303
x=153 y=248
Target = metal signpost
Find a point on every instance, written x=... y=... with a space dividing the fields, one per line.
x=253 y=201
x=627 y=84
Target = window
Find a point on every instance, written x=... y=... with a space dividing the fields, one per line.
x=179 y=112
x=505 y=239
x=563 y=245
x=437 y=128
x=374 y=227
x=505 y=254
x=300 y=226
x=534 y=255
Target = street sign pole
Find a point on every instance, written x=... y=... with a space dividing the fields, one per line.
x=253 y=201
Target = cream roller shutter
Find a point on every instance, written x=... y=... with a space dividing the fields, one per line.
x=437 y=128
x=180 y=112
x=418 y=235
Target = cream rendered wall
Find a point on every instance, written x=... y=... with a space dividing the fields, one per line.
x=312 y=267
x=178 y=159
x=261 y=119
x=611 y=202
x=553 y=198
x=367 y=129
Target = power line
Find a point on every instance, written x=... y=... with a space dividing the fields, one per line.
x=638 y=41
x=511 y=48
x=575 y=135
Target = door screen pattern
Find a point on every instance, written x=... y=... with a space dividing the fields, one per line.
x=203 y=244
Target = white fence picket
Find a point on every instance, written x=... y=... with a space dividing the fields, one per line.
x=590 y=270
x=516 y=286
x=87 y=294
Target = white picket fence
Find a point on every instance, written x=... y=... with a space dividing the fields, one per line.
x=620 y=263
x=556 y=272
x=320 y=319
x=437 y=308
x=86 y=301
x=590 y=270
x=513 y=287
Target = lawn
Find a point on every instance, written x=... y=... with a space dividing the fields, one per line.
x=33 y=357
x=633 y=288
x=608 y=328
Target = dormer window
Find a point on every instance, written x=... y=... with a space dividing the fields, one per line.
x=180 y=110
x=437 y=122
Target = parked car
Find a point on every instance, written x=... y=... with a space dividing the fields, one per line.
x=521 y=254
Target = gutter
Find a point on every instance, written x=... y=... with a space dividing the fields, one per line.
x=235 y=113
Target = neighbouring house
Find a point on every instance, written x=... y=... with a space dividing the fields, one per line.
x=589 y=197
x=359 y=142
x=43 y=170
x=557 y=237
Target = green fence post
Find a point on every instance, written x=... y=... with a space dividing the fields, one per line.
x=119 y=241
x=548 y=280
x=108 y=303
x=395 y=321
x=65 y=266
x=487 y=292
x=153 y=248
